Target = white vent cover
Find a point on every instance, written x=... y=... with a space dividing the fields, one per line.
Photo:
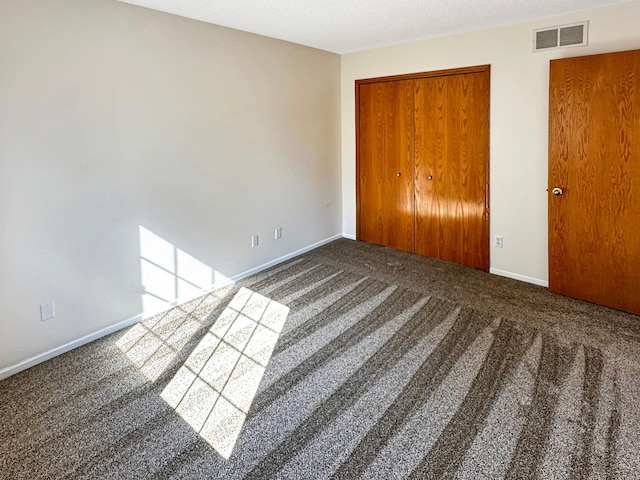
x=572 y=35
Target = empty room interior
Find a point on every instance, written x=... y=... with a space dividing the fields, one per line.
x=307 y=240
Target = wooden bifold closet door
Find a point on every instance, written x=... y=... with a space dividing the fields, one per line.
x=386 y=174
x=422 y=164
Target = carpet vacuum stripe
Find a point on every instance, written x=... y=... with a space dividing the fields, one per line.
x=431 y=373
x=392 y=351
x=398 y=301
x=555 y=361
x=581 y=466
x=349 y=301
x=445 y=457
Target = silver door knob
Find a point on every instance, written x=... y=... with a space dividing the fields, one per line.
x=557 y=191
x=398 y=174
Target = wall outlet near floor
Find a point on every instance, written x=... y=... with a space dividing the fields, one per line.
x=254 y=241
x=498 y=242
x=47 y=311
x=278 y=233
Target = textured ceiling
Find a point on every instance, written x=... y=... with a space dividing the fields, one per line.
x=343 y=26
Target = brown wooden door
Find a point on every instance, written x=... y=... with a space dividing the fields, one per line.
x=385 y=171
x=452 y=161
x=594 y=158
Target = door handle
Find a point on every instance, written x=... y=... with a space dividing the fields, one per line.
x=557 y=191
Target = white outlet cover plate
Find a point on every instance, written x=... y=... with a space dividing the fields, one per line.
x=47 y=311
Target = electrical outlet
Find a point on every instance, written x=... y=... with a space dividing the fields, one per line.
x=278 y=233
x=254 y=241
x=498 y=242
x=47 y=311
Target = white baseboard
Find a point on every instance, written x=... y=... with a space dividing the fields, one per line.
x=54 y=352
x=522 y=278
x=284 y=258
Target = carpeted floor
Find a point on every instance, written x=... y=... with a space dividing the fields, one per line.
x=350 y=361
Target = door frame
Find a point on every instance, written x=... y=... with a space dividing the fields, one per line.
x=485 y=69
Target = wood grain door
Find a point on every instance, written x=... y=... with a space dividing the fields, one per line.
x=594 y=161
x=452 y=166
x=385 y=166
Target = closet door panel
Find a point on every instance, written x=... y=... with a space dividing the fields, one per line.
x=451 y=164
x=385 y=164
x=431 y=155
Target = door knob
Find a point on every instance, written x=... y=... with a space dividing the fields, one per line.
x=557 y=191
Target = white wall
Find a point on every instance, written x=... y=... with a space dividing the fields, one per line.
x=519 y=112
x=113 y=117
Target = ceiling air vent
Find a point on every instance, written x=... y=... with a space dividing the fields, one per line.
x=573 y=35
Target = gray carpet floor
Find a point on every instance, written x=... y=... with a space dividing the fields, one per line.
x=350 y=361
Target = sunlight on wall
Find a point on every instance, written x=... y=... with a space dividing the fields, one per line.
x=168 y=273
x=214 y=389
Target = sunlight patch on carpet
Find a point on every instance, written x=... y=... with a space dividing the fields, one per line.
x=152 y=344
x=215 y=387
